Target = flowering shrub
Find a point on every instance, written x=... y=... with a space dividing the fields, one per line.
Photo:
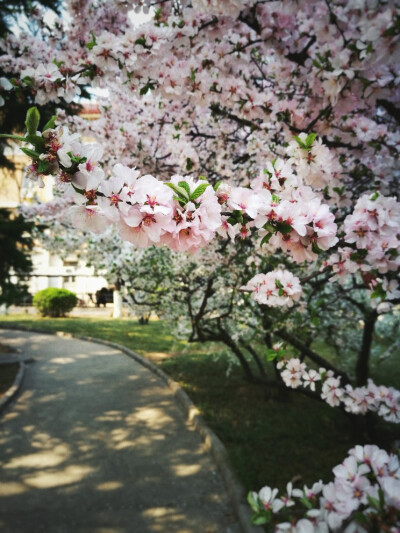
x=54 y=302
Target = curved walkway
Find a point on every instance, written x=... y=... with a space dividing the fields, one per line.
x=95 y=443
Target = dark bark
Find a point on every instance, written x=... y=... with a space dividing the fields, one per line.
x=301 y=57
x=257 y=360
x=362 y=367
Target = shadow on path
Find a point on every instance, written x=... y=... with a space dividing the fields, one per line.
x=96 y=444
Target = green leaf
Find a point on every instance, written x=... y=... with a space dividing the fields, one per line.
x=278 y=284
x=315 y=320
x=339 y=190
x=275 y=198
x=30 y=153
x=149 y=86
x=91 y=43
x=269 y=227
x=178 y=190
x=32 y=120
x=360 y=517
x=37 y=141
x=359 y=255
x=300 y=142
x=50 y=124
x=141 y=41
x=284 y=227
x=189 y=164
x=374 y=502
x=43 y=167
x=305 y=502
x=202 y=178
x=259 y=520
x=266 y=239
x=28 y=81
x=310 y=139
x=271 y=354
x=375 y=196
x=236 y=216
x=9 y=136
x=199 y=191
x=381 y=498
x=280 y=292
x=316 y=249
x=252 y=501
x=58 y=63
x=378 y=293
x=185 y=186
x=216 y=186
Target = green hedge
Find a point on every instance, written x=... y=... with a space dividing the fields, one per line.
x=54 y=302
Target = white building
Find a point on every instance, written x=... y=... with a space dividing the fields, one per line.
x=50 y=270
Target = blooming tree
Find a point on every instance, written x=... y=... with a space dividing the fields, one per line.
x=242 y=130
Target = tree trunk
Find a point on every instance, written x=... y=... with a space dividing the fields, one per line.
x=362 y=367
x=257 y=360
x=226 y=339
x=117 y=301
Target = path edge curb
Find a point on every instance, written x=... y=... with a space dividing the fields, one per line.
x=212 y=442
x=15 y=387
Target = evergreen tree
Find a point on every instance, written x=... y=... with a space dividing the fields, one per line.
x=15 y=244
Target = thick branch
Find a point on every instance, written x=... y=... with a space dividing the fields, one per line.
x=362 y=367
x=304 y=349
x=256 y=358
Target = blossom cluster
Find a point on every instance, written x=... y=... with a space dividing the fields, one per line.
x=385 y=401
x=366 y=485
x=374 y=228
x=185 y=214
x=287 y=213
x=277 y=288
x=269 y=72
x=373 y=231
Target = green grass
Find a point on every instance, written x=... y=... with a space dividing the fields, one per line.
x=156 y=337
x=269 y=441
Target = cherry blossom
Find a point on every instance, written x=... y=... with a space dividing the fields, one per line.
x=357 y=400
x=336 y=506
x=276 y=288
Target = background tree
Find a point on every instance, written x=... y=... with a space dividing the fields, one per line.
x=15 y=243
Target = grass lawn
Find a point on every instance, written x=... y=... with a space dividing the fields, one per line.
x=269 y=441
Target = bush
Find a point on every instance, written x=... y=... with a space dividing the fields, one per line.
x=54 y=302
